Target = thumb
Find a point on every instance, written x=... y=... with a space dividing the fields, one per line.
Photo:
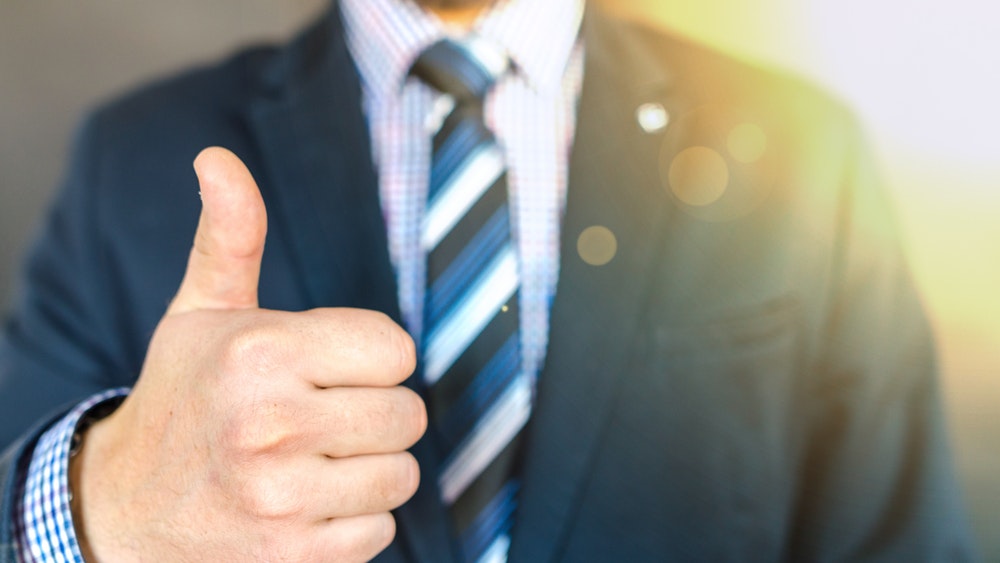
x=224 y=265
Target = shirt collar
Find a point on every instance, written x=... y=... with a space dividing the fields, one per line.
x=386 y=36
x=537 y=35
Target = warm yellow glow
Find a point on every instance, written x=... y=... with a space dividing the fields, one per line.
x=699 y=176
x=747 y=143
x=925 y=78
x=924 y=75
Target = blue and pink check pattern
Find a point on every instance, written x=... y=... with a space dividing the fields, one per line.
x=45 y=527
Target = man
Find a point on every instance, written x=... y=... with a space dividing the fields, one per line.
x=692 y=334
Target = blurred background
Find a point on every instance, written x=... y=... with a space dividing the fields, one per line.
x=923 y=74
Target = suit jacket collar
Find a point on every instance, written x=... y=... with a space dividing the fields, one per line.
x=321 y=189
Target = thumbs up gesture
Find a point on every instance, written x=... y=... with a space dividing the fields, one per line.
x=251 y=434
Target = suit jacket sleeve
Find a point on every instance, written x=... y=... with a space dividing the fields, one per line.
x=64 y=339
x=60 y=343
x=878 y=481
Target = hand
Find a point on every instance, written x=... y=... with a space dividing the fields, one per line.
x=251 y=434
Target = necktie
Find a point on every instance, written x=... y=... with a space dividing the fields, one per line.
x=479 y=397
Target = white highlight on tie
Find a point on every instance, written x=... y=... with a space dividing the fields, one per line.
x=467 y=185
x=497 y=551
x=471 y=315
x=443 y=106
x=489 y=56
x=492 y=434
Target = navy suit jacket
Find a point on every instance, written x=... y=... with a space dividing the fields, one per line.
x=748 y=379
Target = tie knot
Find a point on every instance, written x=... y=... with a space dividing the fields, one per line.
x=464 y=69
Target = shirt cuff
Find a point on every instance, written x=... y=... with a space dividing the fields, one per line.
x=46 y=531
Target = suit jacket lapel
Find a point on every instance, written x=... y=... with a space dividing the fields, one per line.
x=322 y=189
x=614 y=185
x=323 y=196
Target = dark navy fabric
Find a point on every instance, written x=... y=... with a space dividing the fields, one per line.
x=751 y=380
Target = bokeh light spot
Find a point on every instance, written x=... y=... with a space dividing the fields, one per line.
x=747 y=143
x=597 y=245
x=698 y=176
x=652 y=117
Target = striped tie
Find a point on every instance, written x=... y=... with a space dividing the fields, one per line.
x=479 y=398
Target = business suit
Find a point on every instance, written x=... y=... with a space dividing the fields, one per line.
x=749 y=379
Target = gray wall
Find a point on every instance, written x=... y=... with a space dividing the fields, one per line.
x=58 y=58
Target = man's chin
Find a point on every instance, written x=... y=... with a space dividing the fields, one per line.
x=453 y=4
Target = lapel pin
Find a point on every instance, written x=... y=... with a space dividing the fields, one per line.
x=652 y=117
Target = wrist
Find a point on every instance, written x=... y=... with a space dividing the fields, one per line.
x=89 y=447
x=46 y=515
